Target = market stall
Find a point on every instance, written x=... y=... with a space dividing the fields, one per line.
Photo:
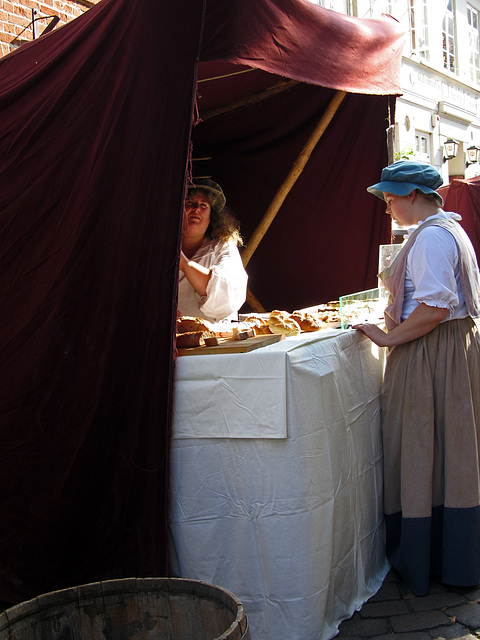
x=277 y=479
x=103 y=122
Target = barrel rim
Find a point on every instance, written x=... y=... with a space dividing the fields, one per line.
x=127 y=586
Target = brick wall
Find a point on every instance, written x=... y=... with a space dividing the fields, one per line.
x=16 y=17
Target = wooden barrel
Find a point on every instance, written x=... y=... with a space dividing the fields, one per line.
x=129 y=609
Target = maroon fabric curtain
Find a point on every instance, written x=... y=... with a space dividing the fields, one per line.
x=297 y=39
x=463 y=197
x=95 y=134
x=94 y=129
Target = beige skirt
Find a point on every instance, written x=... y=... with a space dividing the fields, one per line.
x=431 y=434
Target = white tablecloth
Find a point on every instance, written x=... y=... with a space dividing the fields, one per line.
x=289 y=522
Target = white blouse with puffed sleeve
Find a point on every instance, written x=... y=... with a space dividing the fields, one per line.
x=226 y=289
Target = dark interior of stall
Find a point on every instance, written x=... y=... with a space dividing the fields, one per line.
x=323 y=242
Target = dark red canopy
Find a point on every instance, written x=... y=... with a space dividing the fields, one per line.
x=324 y=241
x=95 y=133
x=463 y=196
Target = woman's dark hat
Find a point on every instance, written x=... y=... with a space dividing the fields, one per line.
x=213 y=187
x=404 y=176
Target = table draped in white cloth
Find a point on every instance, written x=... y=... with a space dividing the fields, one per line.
x=277 y=480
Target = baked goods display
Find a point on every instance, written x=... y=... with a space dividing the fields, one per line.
x=197 y=332
x=310 y=319
x=282 y=322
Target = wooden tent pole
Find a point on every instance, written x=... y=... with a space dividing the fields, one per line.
x=254 y=303
x=253 y=99
x=292 y=177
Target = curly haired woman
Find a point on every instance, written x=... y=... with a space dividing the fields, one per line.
x=212 y=281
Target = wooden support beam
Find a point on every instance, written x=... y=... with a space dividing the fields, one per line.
x=254 y=303
x=226 y=75
x=292 y=177
x=246 y=102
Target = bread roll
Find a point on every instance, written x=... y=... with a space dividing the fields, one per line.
x=187 y=324
x=281 y=322
x=190 y=339
x=260 y=325
x=306 y=320
x=245 y=334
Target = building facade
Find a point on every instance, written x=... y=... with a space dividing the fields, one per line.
x=438 y=116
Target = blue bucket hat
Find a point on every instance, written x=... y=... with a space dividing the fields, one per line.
x=404 y=176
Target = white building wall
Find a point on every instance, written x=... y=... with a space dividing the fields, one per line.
x=437 y=104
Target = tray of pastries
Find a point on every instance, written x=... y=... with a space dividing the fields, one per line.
x=199 y=336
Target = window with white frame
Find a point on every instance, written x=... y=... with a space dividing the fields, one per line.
x=418 y=23
x=422 y=146
x=448 y=35
x=474 y=43
x=377 y=7
x=340 y=6
x=351 y=7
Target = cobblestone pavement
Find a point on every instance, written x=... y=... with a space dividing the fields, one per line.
x=444 y=614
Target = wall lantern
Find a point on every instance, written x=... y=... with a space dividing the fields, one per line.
x=473 y=155
x=450 y=148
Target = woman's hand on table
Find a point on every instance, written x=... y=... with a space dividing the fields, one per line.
x=372 y=331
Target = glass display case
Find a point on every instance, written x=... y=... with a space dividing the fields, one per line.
x=369 y=305
x=364 y=306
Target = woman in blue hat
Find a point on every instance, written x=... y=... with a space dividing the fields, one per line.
x=431 y=392
x=212 y=282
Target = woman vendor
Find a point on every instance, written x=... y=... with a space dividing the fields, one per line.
x=212 y=280
x=431 y=392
